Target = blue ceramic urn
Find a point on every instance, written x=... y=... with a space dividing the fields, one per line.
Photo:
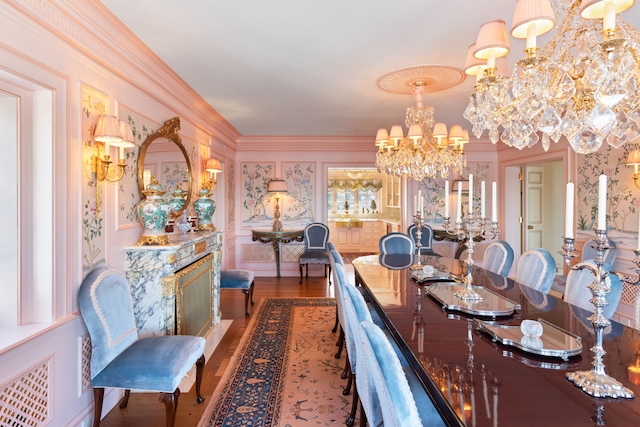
x=204 y=207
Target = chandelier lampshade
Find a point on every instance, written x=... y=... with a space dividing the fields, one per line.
x=492 y=42
x=532 y=18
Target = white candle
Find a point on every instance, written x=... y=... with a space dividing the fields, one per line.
x=568 y=221
x=420 y=201
x=494 y=204
x=482 y=194
x=446 y=200
x=459 y=204
x=531 y=35
x=470 y=193
x=602 y=202
x=415 y=202
x=121 y=155
x=609 y=19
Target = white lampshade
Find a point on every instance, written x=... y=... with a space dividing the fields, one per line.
x=396 y=132
x=595 y=9
x=213 y=165
x=532 y=12
x=415 y=133
x=108 y=130
x=277 y=186
x=474 y=66
x=492 y=39
x=127 y=136
x=456 y=134
x=382 y=137
x=633 y=158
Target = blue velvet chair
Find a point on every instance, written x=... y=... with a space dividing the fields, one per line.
x=336 y=258
x=577 y=293
x=589 y=252
x=239 y=279
x=536 y=269
x=426 y=239
x=498 y=258
x=316 y=251
x=396 y=243
x=120 y=359
x=388 y=397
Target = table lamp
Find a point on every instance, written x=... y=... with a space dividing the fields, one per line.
x=277 y=186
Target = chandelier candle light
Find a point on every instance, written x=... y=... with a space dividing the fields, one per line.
x=596 y=382
x=469 y=229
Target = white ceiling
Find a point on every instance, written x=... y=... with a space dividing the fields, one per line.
x=310 y=67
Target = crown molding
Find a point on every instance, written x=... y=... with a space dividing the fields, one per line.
x=305 y=143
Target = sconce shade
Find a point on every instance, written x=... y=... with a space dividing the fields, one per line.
x=595 y=9
x=414 y=133
x=456 y=134
x=277 y=186
x=127 y=136
x=474 y=66
x=396 y=133
x=382 y=137
x=633 y=158
x=213 y=165
x=108 y=130
x=492 y=38
x=532 y=12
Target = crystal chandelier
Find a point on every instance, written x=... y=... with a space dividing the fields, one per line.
x=427 y=150
x=583 y=85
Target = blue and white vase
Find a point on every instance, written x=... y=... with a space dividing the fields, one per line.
x=153 y=213
x=177 y=201
x=204 y=207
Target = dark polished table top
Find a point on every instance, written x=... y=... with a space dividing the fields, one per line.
x=478 y=382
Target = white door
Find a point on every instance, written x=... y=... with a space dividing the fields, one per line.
x=534 y=207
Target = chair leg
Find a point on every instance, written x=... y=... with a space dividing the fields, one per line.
x=125 y=400
x=170 y=401
x=199 y=371
x=301 y=274
x=98 y=396
x=335 y=327
x=363 y=417
x=329 y=273
x=340 y=343
x=345 y=373
x=251 y=292
x=354 y=407
x=246 y=302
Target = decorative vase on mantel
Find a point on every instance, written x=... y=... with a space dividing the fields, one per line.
x=153 y=213
x=204 y=207
x=177 y=201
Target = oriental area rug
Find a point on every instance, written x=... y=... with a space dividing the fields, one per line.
x=284 y=372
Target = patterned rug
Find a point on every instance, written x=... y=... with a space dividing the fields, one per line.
x=284 y=373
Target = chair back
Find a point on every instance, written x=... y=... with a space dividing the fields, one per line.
x=396 y=243
x=426 y=240
x=379 y=367
x=498 y=258
x=577 y=291
x=316 y=236
x=589 y=251
x=105 y=305
x=536 y=269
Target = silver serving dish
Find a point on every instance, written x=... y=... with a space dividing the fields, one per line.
x=554 y=341
x=438 y=276
x=491 y=304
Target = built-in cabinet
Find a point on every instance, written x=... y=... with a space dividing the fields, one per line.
x=363 y=237
x=176 y=288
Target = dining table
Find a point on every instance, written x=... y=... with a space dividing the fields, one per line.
x=473 y=359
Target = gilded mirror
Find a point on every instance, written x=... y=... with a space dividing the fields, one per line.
x=163 y=154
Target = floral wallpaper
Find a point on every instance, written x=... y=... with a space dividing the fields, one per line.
x=623 y=200
x=257 y=211
x=298 y=204
x=231 y=195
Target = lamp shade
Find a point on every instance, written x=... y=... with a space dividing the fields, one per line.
x=382 y=137
x=127 y=136
x=534 y=14
x=492 y=38
x=474 y=66
x=277 y=186
x=456 y=134
x=633 y=158
x=415 y=132
x=108 y=130
x=596 y=9
x=213 y=165
x=396 y=133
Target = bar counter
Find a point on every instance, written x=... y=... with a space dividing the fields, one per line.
x=477 y=382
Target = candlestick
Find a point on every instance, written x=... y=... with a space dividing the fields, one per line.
x=415 y=202
x=494 y=204
x=470 y=193
x=482 y=194
x=446 y=202
x=602 y=202
x=121 y=158
x=568 y=221
x=459 y=204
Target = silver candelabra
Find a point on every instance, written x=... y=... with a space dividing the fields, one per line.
x=469 y=229
x=419 y=223
x=596 y=382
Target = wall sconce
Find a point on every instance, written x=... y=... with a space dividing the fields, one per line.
x=214 y=167
x=109 y=132
x=277 y=186
x=633 y=158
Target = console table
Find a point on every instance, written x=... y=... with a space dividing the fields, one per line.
x=176 y=287
x=275 y=237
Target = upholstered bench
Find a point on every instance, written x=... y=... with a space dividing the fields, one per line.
x=239 y=279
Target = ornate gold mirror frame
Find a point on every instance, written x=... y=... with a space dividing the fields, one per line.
x=169 y=131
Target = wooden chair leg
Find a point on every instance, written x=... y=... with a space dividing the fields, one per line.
x=125 y=400
x=301 y=274
x=170 y=401
x=199 y=371
x=98 y=396
x=329 y=273
x=340 y=344
x=251 y=292
x=335 y=327
x=246 y=302
x=363 y=417
x=345 y=372
x=354 y=407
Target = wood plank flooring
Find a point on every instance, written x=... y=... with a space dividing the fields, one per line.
x=144 y=409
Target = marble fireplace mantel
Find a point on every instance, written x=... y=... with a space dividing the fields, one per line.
x=151 y=272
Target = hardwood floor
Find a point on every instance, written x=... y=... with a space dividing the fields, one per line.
x=144 y=409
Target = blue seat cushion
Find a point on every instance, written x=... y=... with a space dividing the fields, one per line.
x=315 y=257
x=236 y=279
x=154 y=364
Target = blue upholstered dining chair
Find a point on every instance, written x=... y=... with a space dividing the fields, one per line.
x=536 y=269
x=120 y=359
x=335 y=257
x=589 y=251
x=426 y=240
x=396 y=243
x=316 y=251
x=388 y=397
x=577 y=292
x=498 y=258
